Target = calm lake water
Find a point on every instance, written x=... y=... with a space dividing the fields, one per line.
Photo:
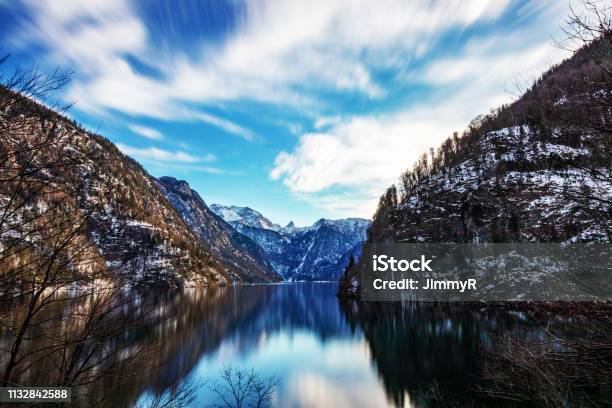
x=328 y=353
x=324 y=351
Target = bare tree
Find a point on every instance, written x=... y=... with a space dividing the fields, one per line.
x=240 y=388
x=62 y=310
x=41 y=228
x=570 y=362
x=584 y=27
x=576 y=102
x=32 y=82
x=590 y=112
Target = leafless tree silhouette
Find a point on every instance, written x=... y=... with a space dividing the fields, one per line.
x=587 y=26
x=240 y=388
x=61 y=306
x=567 y=363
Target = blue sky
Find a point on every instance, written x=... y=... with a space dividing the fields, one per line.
x=299 y=109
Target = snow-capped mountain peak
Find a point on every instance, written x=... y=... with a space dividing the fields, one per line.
x=317 y=252
x=244 y=215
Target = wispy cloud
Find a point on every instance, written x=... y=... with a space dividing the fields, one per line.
x=364 y=154
x=325 y=121
x=228 y=126
x=147 y=132
x=275 y=56
x=362 y=151
x=165 y=168
x=154 y=154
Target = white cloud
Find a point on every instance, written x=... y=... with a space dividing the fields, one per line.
x=275 y=56
x=363 y=151
x=356 y=202
x=360 y=157
x=279 y=48
x=493 y=67
x=147 y=132
x=228 y=126
x=94 y=35
x=325 y=121
x=165 y=168
x=363 y=155
x=153 y=154
x=66 y=10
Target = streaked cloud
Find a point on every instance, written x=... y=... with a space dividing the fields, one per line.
x=148 y=154
x=147 y=132
x=228 y=126
x=275 y=56
x=367 y=153
x=361 y=151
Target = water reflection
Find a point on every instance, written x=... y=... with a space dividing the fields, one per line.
x=414 y=347
x=325 y=352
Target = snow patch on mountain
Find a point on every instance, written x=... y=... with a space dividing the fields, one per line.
x=244 y=215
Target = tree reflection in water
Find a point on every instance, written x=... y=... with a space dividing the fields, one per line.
x=472 y=355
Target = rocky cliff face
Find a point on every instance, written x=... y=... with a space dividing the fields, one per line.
x=538 y=170
x=318 y=252
x=233 y=248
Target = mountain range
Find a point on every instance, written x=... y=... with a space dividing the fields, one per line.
x=73 y=204
x=265 y=251
x=318 y=252
x=536 y=170
x=235 y=249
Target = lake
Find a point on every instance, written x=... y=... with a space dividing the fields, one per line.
x=323 y=351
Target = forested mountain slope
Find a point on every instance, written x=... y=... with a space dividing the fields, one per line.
x=537 y=170
x=73 y=204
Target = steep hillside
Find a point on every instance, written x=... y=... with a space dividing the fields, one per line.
x=318 y=252
x=60 y=181
x=232 y=247
x=538 y=170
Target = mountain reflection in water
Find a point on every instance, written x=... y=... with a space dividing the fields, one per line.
x=325 y=352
